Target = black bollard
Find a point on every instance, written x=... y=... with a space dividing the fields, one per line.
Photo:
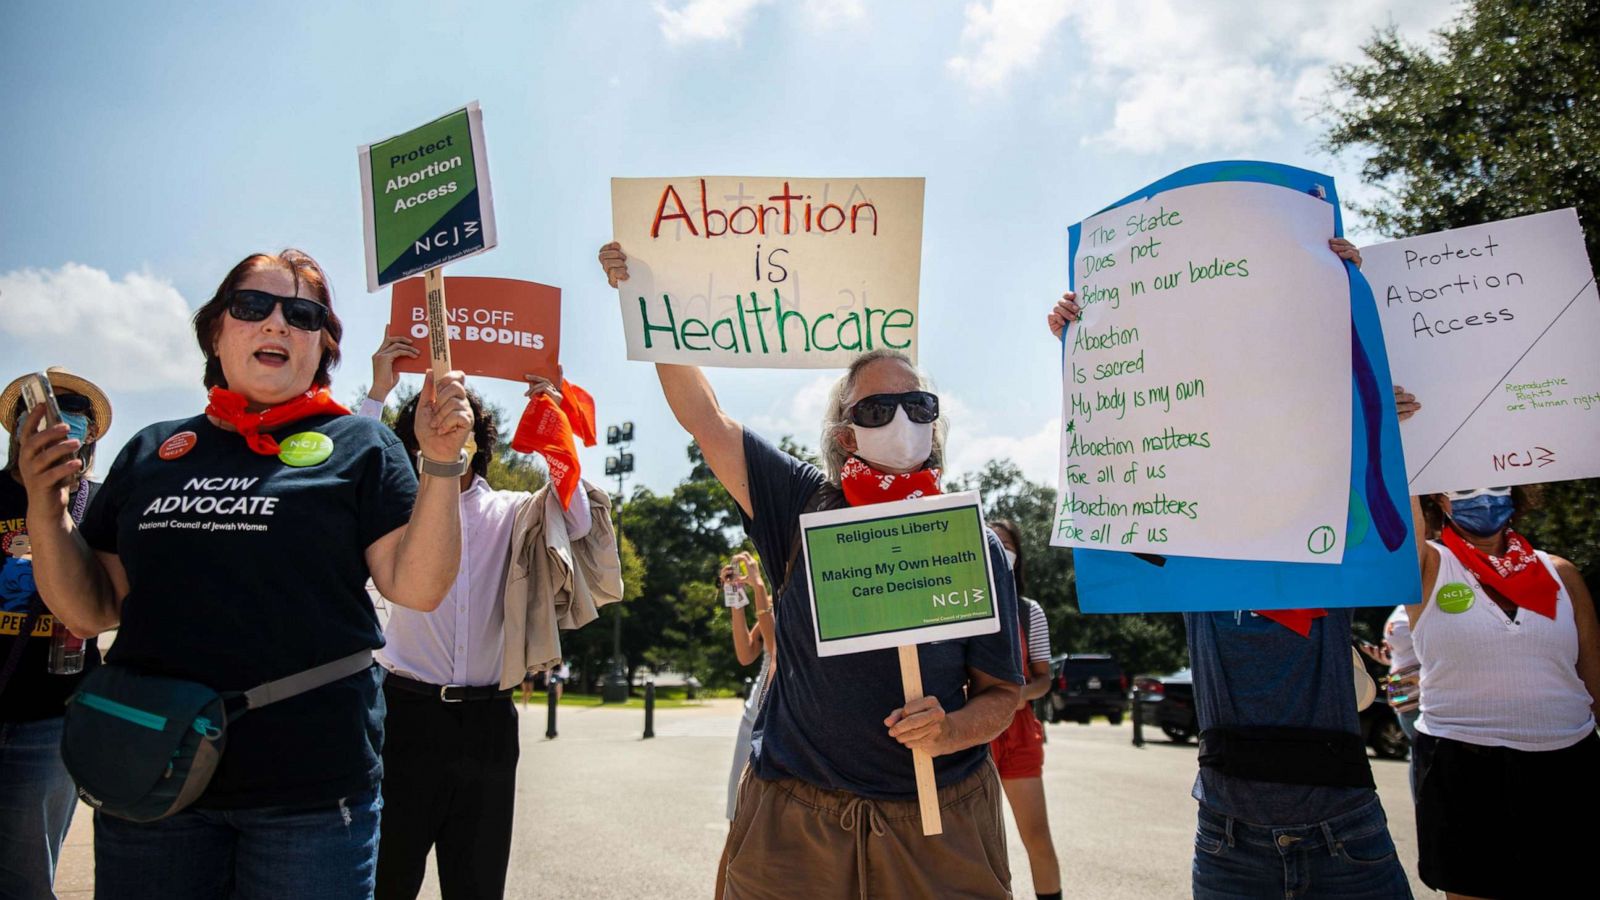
x=1138 y=720
x=649 y=709
x=550 y=715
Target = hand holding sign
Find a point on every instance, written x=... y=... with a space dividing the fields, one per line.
x=920 y=725
x=444 y=424
x=384 y=377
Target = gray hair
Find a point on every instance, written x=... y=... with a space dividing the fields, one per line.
x=834 y=454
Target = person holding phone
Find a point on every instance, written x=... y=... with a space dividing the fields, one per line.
x=37 y=798
x=743 y=588
x=232 y=548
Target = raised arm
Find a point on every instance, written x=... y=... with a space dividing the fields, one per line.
x=415 y=564
x=80 y=587
x=694 y=404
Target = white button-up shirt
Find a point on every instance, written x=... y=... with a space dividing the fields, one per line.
x=463 y=640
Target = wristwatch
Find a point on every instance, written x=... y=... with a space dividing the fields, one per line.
x=426 y=466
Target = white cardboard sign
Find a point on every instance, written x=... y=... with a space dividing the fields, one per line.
x=1207 y=386
x=777 y=272
x=1494 y=328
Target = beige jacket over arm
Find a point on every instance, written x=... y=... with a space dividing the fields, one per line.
x=553 y=582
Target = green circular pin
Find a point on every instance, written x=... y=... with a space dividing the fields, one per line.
x=1455 y=597
x=308 y=448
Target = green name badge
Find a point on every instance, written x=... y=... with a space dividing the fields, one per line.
x=893 y=574
x=1455 y=597
x=308 y=448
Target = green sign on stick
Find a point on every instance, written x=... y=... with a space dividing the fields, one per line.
x=425 y=197
x=894 y=574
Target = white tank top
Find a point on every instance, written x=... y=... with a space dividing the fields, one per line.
x=1495 y=681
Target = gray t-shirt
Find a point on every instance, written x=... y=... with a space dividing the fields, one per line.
x=1249 y=670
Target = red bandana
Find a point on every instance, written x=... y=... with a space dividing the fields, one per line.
x=1518 y=576
x=1296 y=620
x=549 y=429
x=863 y=485
x=230 y=408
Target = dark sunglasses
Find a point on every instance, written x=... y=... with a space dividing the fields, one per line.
x=253 y=306
x=877 y=410
x=73 y=403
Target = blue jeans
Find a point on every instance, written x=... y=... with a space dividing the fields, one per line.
x=36 y=803
x=1349 y=856
x=327 y=852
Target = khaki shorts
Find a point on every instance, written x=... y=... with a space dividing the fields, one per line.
x=790 y=839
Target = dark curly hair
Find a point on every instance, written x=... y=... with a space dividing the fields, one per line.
x=485 y=431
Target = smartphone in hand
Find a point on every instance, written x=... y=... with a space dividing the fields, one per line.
x=36 y=391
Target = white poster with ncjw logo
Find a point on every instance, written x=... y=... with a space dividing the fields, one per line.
x=1494 y=327
x=768 y=272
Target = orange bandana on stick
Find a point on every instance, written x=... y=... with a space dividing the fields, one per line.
x=229 y=407
x=548 y=429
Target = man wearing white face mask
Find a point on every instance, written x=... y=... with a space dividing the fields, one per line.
x=36 y=795
x=1506 y=747
x=827 y=807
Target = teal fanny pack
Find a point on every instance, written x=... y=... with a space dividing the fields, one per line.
x=142 y=747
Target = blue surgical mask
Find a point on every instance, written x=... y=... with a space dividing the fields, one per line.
x=1483 y=515
x=77 y=426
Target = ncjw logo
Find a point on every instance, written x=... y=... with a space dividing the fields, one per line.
x=454 y=236
x=968 y=597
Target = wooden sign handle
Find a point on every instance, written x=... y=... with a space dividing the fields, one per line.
x=927 y=788
x=438 y=322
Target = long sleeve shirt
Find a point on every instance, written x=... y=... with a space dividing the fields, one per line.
x=463 y=640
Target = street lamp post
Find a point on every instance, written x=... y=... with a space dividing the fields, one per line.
x=619 y=436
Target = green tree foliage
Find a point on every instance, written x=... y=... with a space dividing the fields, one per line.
x=1142 y=643
x=1502 y=119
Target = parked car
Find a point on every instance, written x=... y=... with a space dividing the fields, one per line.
x=1085 y=685
x=1167 y=702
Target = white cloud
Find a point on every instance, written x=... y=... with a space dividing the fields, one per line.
x=799 y=414
x=1214 y=76
x=1005 y=37
x=834 y=12
x=1226 y=75
x=131 y=334
x=706 y=20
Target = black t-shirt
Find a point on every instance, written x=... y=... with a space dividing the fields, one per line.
x=32 y=693
x=243 y=569
x=823 y=719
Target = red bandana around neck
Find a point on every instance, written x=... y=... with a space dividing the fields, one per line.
x=1296 y=620
x=229 y=407
x=863 y=485
x=548 y=429
x=1518 y=575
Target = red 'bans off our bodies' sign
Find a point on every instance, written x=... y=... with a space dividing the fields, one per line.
x=499 y=327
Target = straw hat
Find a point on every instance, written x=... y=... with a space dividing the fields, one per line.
x=62 y=380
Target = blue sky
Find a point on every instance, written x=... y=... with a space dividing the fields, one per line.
x=150 y=146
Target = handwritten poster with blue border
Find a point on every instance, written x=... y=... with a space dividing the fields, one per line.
x=1378 y=566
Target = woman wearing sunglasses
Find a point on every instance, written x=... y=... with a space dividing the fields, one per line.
x=828 y=802
x=232 y=548
x=1506 y=747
